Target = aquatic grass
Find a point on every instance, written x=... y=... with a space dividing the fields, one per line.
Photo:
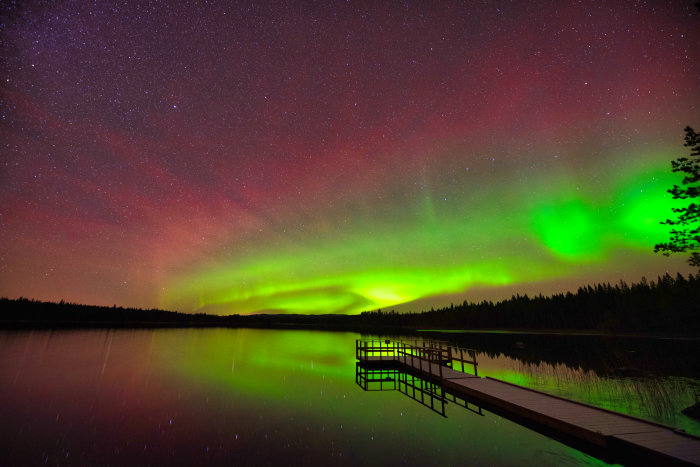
x=652 y=397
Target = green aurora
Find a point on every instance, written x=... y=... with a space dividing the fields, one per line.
x=527 y=227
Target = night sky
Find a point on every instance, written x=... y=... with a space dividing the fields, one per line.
x=338 y=156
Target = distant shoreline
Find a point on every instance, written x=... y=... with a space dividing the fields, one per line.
x=668 y=308
x=567 y=332
x=25 y=325
x=288 y=323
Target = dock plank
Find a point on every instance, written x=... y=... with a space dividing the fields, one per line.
x=675 y=445
x=587 y=423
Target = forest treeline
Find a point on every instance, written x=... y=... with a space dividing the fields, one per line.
x=26 y=311
x=668 y=304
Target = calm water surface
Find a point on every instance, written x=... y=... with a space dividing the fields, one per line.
x=197 y=396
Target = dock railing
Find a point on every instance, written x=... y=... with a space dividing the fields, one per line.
x=436 y=354
x=465 y=356
x=433 y=356
x=385 y=349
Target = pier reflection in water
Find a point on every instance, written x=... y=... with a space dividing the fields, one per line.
x=426 y=393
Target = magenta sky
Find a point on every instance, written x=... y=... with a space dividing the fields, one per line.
x=337 y=156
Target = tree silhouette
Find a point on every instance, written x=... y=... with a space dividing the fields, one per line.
x=686 y=238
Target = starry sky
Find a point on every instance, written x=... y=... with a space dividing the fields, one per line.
x=338 y=156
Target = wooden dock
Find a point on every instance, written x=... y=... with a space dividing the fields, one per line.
x=615 y=437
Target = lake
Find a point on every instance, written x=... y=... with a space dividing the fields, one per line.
x=197 y=396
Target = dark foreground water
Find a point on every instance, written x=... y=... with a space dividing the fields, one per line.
x=198 y=396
